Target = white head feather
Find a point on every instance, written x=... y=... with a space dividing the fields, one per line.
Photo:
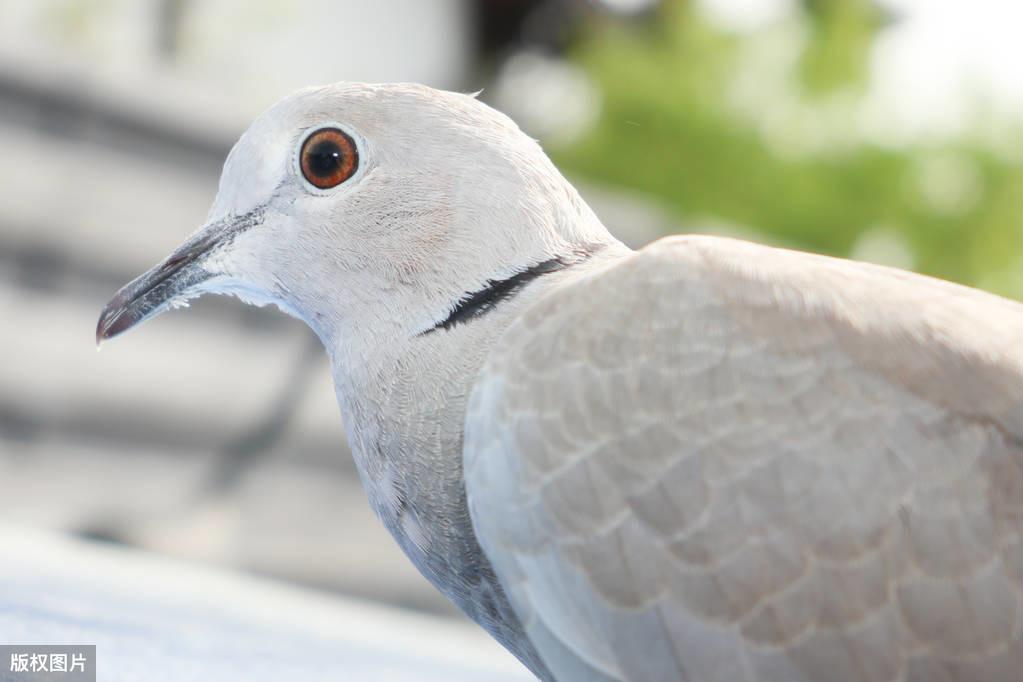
x=449 y=194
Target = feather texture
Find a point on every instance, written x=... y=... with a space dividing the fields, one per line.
x=720 y=461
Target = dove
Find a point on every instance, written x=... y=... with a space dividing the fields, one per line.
x=705 y=460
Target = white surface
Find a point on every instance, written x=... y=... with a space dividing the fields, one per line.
x=157 y=619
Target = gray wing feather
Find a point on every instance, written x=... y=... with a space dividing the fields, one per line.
x=720 y=461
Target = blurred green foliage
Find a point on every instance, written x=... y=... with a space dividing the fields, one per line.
x=670 y=127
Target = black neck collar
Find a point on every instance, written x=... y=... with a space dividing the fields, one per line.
x=480 y=302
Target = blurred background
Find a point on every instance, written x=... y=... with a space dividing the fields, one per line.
x=885 y=130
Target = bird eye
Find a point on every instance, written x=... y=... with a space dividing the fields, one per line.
x=328 y=158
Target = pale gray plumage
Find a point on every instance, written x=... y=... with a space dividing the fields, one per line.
x=739 y=463
x=706 y=460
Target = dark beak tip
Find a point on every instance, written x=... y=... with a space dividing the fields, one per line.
x=113 y=320
x=103 y=327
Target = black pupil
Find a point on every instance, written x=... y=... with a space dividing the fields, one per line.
x=324 y=158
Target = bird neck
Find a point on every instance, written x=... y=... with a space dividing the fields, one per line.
x=403 y=389
x=403 y=399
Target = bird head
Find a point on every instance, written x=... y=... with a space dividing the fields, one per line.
x=354 y=205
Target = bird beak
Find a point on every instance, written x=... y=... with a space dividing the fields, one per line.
x=153 y=292
x=173 y=281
